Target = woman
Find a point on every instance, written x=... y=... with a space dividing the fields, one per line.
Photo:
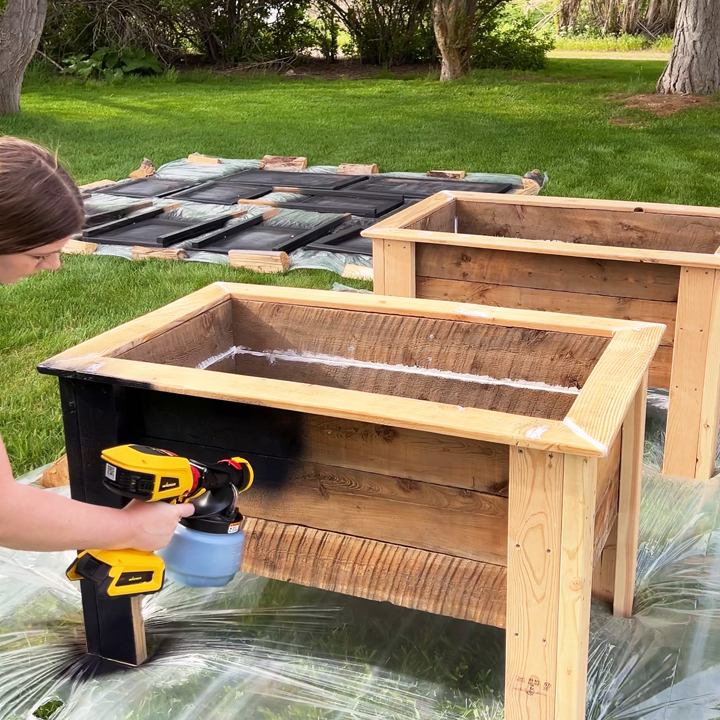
x=40 y=208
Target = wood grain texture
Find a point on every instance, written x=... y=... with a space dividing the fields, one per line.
x=710 y=408
x=533 y=582
x=603 y=403
x=379 y=267
x=457 y=522
x=628 y=523
x=587 y=276
x=695 y=305
x=408 y=577
x=564 y=360
x=576 y=568
x=190 y=342
x=57 y=474
x=236 y=428
x=592 y=226
x=399 y=268
x=661 y=368
x=78 y=247
x=357 y=272
x=260 y=261
x=621 y=308
x=414 y=214
x=148 y=253
x=603 y=588
x=357 y=169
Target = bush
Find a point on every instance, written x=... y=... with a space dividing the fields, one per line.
x=387 y=32
x=506 y=39
x=108 y=64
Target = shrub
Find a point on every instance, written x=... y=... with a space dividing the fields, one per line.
x=108 y=64
x=506 y=39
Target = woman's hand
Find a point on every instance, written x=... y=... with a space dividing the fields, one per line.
x=152 y=524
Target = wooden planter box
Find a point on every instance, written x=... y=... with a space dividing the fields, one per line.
x=467 y=461
x=639 y=261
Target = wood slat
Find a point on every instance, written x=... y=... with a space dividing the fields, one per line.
x=688 y=372
x=550 y=300
x=576 y=564
x=462 y=523
x=408 y=577
x=611 y=278
x=592 y=226
x=238 y=429
x=190 y=342
x=533 y=583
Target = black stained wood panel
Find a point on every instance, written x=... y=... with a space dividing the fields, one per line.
x=95 y=217
x=345 y=241
x=362 y=206
x=420 y=188
x=146 y=188
x=220 y=192
x=146 y=233
x=279 y=178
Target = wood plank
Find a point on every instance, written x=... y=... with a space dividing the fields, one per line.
x=57 y=474
x=92 y=421
x=710 y=407
x=457 y=522
x=533 y=583
x=576 y=564
x=603 y=588
x=440 y=219
x=447 y=174
x=464 y=422
x=399 y=268
x=605 y=515
x=191 y=342
x=357 y=169
x=140 y=252
x=385 y=231
x=283 y=162
x=357 y=272
x=199 y=159
x=621 y=308
x=260 y=261
x=416 y=213
x=545 y=272
x=78 y=247
x=379 y=267
x=592 y=226
x=97 y=185
x=661 y=368
x=628 y=523
x=692 y=330
x=408 y=577
x=603 y=403
x=238 y=429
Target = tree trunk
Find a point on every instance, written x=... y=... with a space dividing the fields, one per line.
x=568 y=13
x=454 y=24
x=694 y=65
x=20 y=28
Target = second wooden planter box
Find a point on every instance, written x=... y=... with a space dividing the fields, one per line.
x=639 y=261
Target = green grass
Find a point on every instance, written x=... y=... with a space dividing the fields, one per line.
x=557 y=119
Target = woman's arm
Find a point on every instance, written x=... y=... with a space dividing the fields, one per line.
x=32 y=519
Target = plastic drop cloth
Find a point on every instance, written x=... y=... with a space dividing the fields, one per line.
x=302 y=258
x=269 y=650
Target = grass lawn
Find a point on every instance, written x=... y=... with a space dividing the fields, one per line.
x=558 y=119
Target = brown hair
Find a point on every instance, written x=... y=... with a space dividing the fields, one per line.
x=39 y=202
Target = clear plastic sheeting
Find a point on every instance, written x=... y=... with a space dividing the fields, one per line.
x=274 y=651
x=183 y=169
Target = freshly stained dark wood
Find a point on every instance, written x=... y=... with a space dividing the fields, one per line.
x=317 y=181
x=256 y=234
x=424 y=187
x=146 y=187
x=222 y=192
x=345 y=241
x=98 y=217
x=367 y=206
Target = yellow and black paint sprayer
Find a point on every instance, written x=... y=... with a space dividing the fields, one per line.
x=205 y=550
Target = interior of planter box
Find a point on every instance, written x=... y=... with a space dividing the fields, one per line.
x=639 y=229
x=521 y=371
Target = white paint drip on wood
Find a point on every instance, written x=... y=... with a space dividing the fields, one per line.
x=274 y=356
x=473 y=312
x=581 y=433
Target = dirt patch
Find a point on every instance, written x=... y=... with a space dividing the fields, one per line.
x=662 y=105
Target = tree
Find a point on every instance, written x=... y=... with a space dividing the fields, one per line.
x=20 y=28
x=694 y=65
x=456 y=23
